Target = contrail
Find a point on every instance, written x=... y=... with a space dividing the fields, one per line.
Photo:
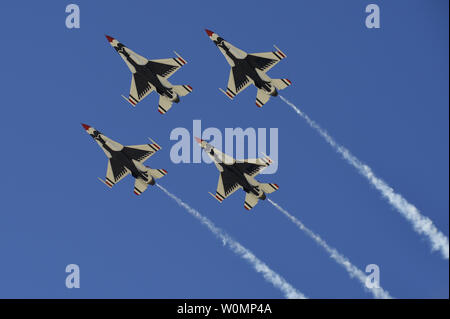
x=352 y=270
x=271 y=276
x=422 y=224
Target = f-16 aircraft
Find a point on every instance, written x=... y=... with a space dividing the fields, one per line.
x=249 y=69
x=236 y=174
x=124 y=160
x=152 y=75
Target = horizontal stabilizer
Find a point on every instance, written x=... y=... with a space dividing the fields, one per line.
x=250 y=201
x=140 y=186
x=164 y=104
x=281 y=84
x=182 y=90
x=261 y=98
x=157 y=173
x=269 y=187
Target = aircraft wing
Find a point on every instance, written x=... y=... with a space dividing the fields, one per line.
x=115 y=172
x=226 y=186
x=266 y=60
x=139 y=89
x=166 y=67
x=142 y=152
x=237 y=82
x=253 y=167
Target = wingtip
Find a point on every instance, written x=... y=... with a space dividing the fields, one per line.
x=209 y=32
x=85 y=126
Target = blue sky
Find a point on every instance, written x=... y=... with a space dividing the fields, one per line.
x=381 y=93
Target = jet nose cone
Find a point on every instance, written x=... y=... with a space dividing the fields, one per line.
x=86 y=127
x=110 y=39
x=199 y=141
x=209 y=32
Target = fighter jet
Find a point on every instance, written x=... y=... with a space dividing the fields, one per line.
x=249 y=69
x=236 y=174
x=152 y=75
x=124 y=160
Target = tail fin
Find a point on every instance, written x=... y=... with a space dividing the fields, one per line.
x=182 y=90
x=281 y=84
x=261 y=98
x=269 y=188
x=157 y=173
x=250 y=201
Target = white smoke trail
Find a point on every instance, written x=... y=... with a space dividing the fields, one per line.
x=421 y=224
x=269 y=275
x=352 y=270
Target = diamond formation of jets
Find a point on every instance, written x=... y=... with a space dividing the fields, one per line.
x=236 y=174
x=124 y=160
x=249 y=69
x=152 y=75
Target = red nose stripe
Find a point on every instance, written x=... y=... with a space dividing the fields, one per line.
x=86 y=127
x=209 y=32
x=198 y=140
x=110 y=39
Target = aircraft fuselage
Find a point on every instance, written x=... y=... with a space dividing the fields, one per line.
x=123 y=159
x=241 y=179
x=245 y=66
x=147 y=74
